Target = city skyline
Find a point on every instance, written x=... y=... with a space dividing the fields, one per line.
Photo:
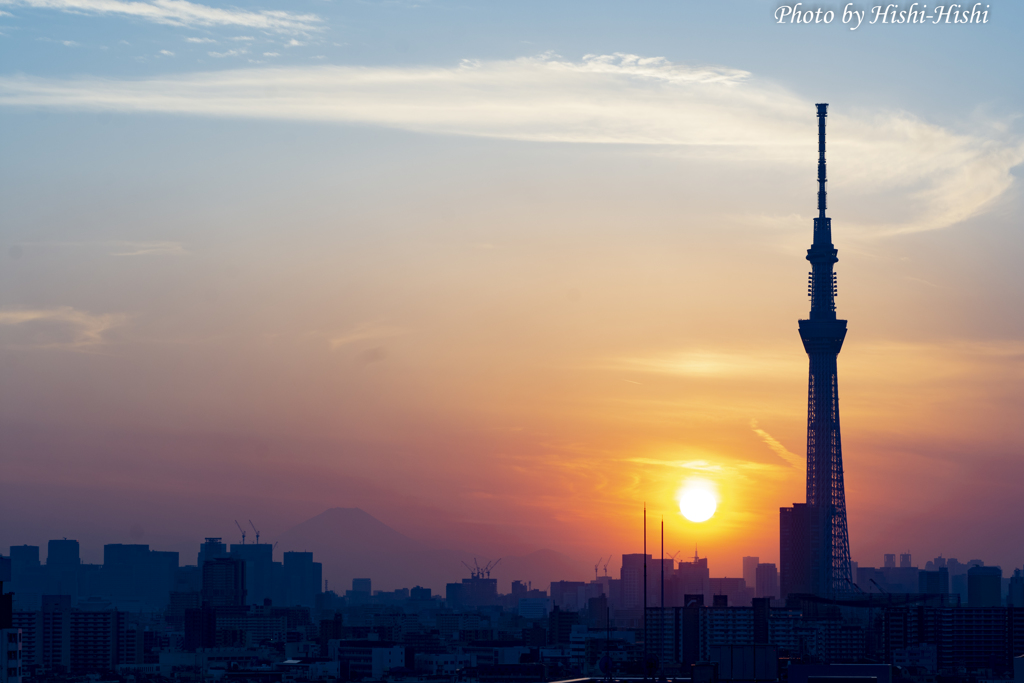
x=501 y=291
x=396 y=563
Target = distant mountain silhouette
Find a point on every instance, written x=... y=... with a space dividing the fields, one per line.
x=352 y=543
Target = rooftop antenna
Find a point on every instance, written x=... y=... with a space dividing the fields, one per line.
x=256 y=530
x=242 y=530
x=661 y=603
x=645 y=591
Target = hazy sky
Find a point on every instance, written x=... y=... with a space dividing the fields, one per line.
x=498 y=273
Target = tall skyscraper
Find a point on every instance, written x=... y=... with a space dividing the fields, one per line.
x=223 y=582
x=819 y=535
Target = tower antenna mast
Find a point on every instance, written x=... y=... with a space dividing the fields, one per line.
x=823 y=334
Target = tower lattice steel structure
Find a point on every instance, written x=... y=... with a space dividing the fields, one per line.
x=822 y=333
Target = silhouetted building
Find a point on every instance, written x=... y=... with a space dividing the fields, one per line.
x=795 y=541
x=27 y=579
x=211 y=549
x=54 y=640
x=767 y=581
x=734 y=588
x=984 y=586
x=11 y=661
x=63 y=553
x=690 y=578
x=223 y=583
x=303 y=579
x=135 y=577
x=750 y=570
x=259 y=568
x=177 y=605
x=1015 y=597
x=632 y=576
x=472 y=592
x=200 y=628
x=565 y=594
x=98 y=640
x=936 y=581
x=560 y=626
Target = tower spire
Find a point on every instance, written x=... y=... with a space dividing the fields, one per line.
x=822 y=179
x=818 y=551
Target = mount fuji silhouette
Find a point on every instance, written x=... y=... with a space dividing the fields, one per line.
x=352 y=543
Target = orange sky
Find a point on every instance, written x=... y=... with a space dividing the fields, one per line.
x=500 y=311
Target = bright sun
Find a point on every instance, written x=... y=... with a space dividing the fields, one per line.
x=697 y=502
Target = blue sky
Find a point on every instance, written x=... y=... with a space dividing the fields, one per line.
x=917 y=67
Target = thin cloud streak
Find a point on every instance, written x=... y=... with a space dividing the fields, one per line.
x=149 y=249
x=710 y=112
x=120 y=247
x=182 y=13
x=713 y=364
x=364 y=332
x=776 y=447
x=75 y=329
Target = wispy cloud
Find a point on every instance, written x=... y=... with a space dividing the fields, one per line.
x=193 y=39
x=118 y=247
x=945 y=176
x=696 y=465
x=712 y=364
x=776 y=447
x=148 y=248
x=63 y=327
x=228 y=53
x=183 y=13
x=365 y=331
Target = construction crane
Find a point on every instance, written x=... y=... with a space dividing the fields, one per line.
x=478 y=572
x=596 y=567
x=605 y=568
x=490 y=566
x=256 y=530
x=242 y=530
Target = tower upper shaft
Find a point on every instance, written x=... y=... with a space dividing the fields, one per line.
x=822 y=333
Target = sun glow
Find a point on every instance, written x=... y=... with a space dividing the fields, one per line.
x=697 y=501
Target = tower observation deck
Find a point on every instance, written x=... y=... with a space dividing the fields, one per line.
x=814 y=543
